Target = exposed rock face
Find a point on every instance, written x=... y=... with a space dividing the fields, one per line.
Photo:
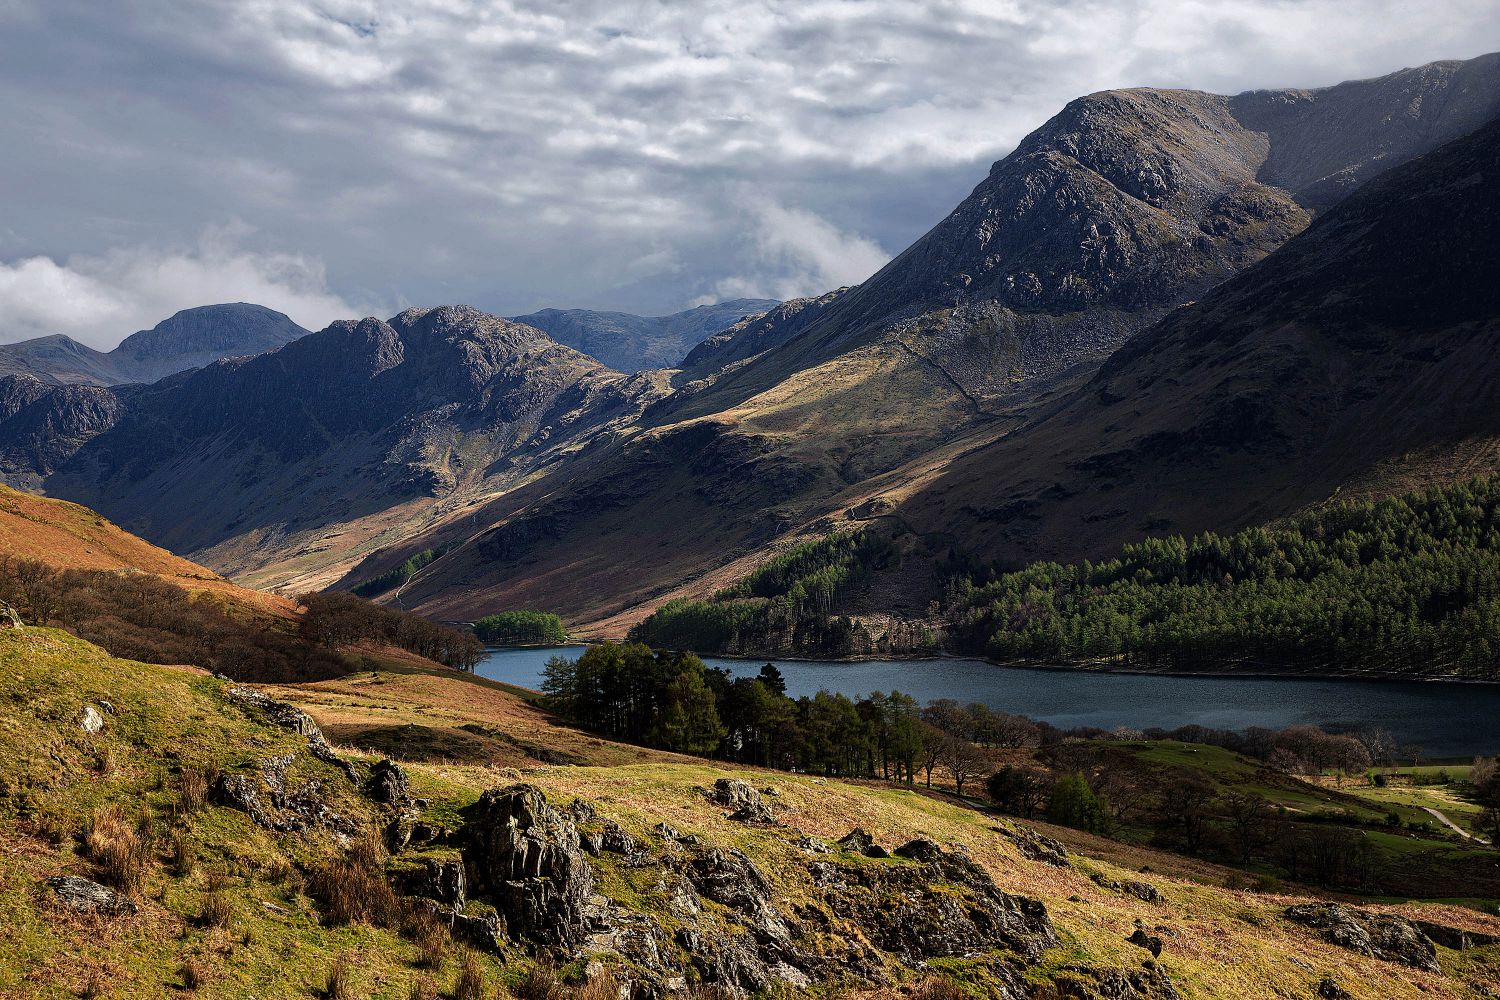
x=907 y=909
x=389 y=784
x=526 y=858
x=1036 y=847
x=90 y=897
x=1378 y=935
x=271 y=805
x=742 y=800
x=1150 y=942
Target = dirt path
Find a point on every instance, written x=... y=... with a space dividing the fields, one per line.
x=1437 y=815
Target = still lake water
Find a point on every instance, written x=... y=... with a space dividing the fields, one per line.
x=1446 y=720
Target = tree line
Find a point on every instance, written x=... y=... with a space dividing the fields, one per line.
x=1409 y=585
x=671 y=700
x=142 y=617
x=790 y=603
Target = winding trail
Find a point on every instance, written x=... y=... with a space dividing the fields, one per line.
x=1437 y=815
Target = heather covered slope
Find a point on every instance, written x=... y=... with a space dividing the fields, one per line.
x=1360 y=358
x=219 y=903
x=191 y=338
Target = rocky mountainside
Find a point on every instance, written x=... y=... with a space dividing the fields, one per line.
x=189 y=339
x=1359 y=358
x=494 y=468
x=1121 y=208
x=300 y=457
x=630 y=343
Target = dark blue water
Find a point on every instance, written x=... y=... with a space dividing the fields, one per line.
x=1446 y=720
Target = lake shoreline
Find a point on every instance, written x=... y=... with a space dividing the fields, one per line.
x=1074 y=668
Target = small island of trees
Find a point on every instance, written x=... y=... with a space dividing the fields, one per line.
x=521 y=628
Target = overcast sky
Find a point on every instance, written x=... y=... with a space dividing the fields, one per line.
x=334 y=158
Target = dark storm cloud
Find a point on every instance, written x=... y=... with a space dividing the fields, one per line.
x=344 y=156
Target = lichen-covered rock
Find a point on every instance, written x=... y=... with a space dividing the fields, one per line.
x=389 y=784
x=1144 y=891
x=526 y=858
x=920 y=849
x=1036 y=847
x=89 y=720
x=271 y=806
x=744 y=803
x=860 y=842
x=288 y=716
x=948 y=906
x=444 y=881
x=1329 y=989
x=90 y=897
x=1378 y=935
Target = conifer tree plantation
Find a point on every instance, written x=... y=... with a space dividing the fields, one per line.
x=1408 y=585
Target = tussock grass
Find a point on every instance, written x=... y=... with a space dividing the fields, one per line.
x=539 y=983
x=118 y=849
x=192 y=789
x=194 y=974
x=216 y=910
x=423 y=988
x=354 y=889
x=471 y=982
x=340 y=982
x=428 y=933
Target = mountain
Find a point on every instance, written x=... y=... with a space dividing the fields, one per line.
x=630 y=343
x=835 y=410
x=191 y=338
x=1359 y=359
x=277 y=467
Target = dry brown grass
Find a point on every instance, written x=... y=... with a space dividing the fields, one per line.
x=192 y=789
x=118 y=849
x=194 y=974
x=605 y=986
x=354 y=889
x=470 y=984
x=424 y=988
x=428 y=933
x=180 y=854
x=216 y=910
x=540 y=983
x=340 y=983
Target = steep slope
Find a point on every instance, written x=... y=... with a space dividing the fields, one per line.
x=288 y=463
x=1359 y=358
x=630 y=343
x=191 y=338
x=228 y=850
x=1122 y=207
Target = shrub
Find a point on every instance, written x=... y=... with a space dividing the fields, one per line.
x=117 y=848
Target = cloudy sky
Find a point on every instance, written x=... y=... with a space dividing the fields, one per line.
x=332 y=158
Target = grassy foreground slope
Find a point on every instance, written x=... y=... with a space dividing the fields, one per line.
x=230 y=909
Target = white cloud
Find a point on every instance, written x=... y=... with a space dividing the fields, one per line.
x=522 y=153
x=798 y=253
x=101 y=299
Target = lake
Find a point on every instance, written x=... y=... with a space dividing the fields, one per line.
x=1445 y=719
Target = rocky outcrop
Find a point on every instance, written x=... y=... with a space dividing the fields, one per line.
x=744 y=803
x=90 y=897
x=390 y=785
x=1378 y=935
x=266 y=798
x=526 y=858
x=289 y=716
x=1144 y=891
x=943 y=907
x=858 y=841
x=1150 y=942
x=1036 y=847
